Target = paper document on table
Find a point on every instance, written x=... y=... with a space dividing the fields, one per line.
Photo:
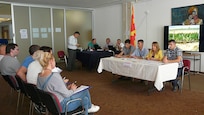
x=127 y=64
x=81 y=88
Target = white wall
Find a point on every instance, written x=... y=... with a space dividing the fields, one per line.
x=107 y=23
x=153 y=15
x=150 y=17
x=158 y=16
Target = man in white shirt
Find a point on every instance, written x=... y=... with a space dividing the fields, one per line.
x=72 y=47
x=119 y=46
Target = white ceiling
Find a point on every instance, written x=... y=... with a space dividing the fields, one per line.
x=72 y=3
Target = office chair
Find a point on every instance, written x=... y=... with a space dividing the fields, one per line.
x=14 y=86
x=21 y=84
x=53 y=105
x=62 y=57
x=186 y=72
x=34 y=97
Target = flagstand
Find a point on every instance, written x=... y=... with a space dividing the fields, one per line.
x=146 y=14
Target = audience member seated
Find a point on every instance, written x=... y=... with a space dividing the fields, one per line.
x=119 y=46
x=93 y=45
x=9 y=64
x=108 y=43
x=174 y=55
x=155 y=53
x=2 y=51
x=127 y=50
x=46 y=49
x=53 y=82
x=23 y=69
x=140 y=52
x=35 y=68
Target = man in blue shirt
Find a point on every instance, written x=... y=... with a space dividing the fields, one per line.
x=23 y=69
x=140 y=52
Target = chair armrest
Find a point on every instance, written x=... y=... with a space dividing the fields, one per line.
x=186 y=68
x=73 y=100
x=183 y=70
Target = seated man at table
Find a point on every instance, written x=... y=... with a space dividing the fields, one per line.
x=92 y=45
x=174 y=55
x=155 y=53
x=140 y=52
x=108 y=44
x=119 y=46
x=127 y=50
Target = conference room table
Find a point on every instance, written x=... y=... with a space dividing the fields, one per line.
x=90 y=59
x=149 y=70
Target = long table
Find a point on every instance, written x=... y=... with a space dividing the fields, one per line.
x=90 y=59
x=141 y=69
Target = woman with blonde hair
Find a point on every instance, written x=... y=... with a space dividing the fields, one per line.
x=155 y=53
x=52 y=82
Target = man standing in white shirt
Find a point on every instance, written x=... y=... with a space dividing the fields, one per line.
x=72 y=47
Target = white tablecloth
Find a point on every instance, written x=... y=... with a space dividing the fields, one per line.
x=142 y=69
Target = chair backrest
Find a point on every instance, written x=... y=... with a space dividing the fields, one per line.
x=21 y=84
x=51 y=102
x=11 y=81
x=187 y=63
x=61 y=54
x=32 y=92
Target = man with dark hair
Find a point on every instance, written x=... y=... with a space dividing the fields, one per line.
x=72 y=47
x=23 y=69
x=140 y=52
x=92 y=45
x=127 y=50
x=174 y=55
x=46 y=49
x=9 y=64
x=35 y=68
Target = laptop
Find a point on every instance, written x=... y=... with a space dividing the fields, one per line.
x=110 y=47
x=96 y=47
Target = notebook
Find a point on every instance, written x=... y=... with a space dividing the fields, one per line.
x=81 y=88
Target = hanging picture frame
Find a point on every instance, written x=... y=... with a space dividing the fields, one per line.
x=188 y=15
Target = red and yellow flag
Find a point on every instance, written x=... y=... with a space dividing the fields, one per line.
x=132 y=27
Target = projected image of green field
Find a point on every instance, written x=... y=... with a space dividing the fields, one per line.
x=186 y=37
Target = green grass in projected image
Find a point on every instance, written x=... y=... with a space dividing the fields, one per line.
x=186 y=37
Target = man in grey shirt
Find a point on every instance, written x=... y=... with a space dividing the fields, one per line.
x=174 y=55
x=127 y=50
x=9 y=65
